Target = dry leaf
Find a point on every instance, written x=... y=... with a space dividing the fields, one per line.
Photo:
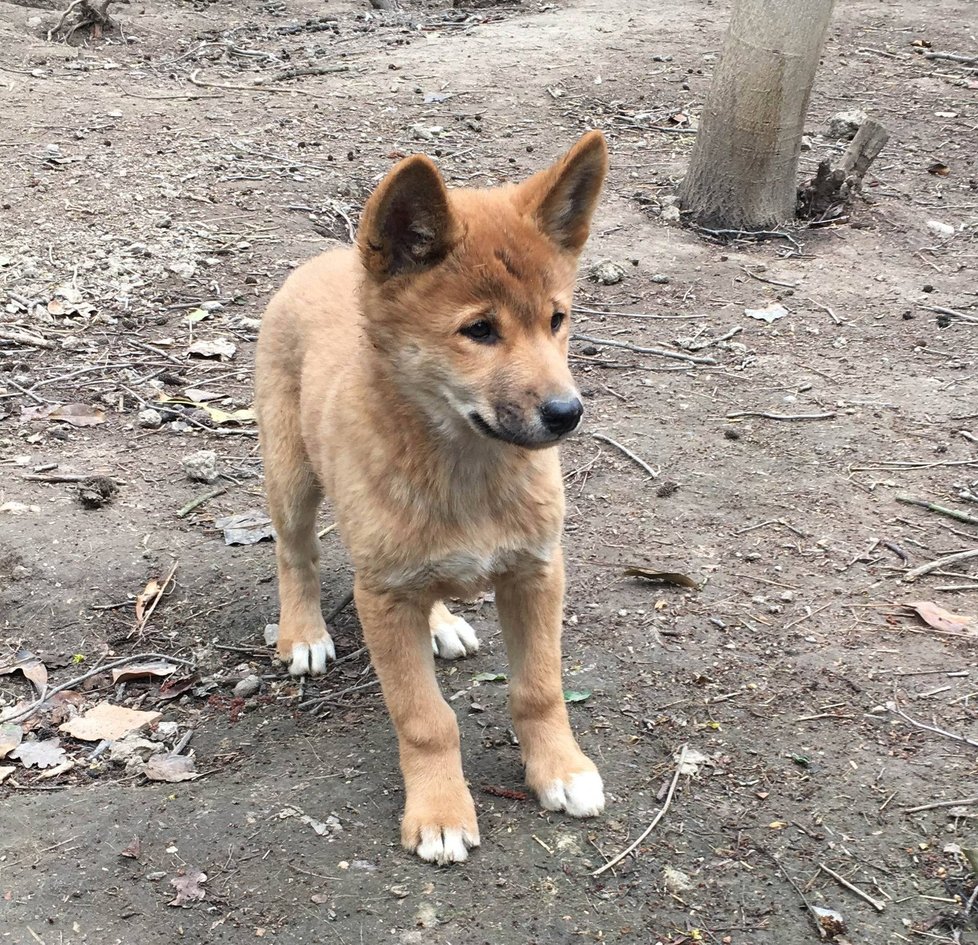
x=107 y=721
x=171 y=768
x=770 y=313
x=939 y=169
x=219 y=348
x=218 y=416
x=188 y=886
x=133 y=850
x=246 y=528
x=153 y=668
x=60 y=769
x=692 y=761
x=78 y=415
x=146 y=597
x=662 y=577
x=28 y=664
x=944 y=621
x=11 y=735
x=44 y=754
x=6 y=770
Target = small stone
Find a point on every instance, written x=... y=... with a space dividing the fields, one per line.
x=150 y=419
x=271 y=634
x=400 y=892
x=670 y=214
x=201 y=466
x=677 y=881
x=607 y=273
x=940 y=228
x=806 y=143
x=165 y=732
x=96 y=491
x=844 y=125
x=661 y=279
x=248 y=687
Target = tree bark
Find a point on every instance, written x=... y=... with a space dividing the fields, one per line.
x=743 y=167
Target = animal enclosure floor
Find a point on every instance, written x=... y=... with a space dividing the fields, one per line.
x=160 y=182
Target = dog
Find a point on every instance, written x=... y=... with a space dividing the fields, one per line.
x=420 y=379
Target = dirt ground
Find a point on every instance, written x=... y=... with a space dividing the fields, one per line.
x=161 y=180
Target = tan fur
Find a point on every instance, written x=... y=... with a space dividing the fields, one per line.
x=368 y=392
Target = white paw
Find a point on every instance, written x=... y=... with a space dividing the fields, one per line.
x=453 y=638
x=309 y=659
x=446 y=845
x=582 y=795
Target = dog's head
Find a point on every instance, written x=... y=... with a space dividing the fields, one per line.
x=467 y=293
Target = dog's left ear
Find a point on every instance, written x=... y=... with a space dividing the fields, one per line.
x=407 y=224
x=563 y=197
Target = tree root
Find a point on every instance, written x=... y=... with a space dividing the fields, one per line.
x=84 y=14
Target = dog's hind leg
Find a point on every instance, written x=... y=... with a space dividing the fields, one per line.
x=529 y=606
x=294 y=496
x=451 y=637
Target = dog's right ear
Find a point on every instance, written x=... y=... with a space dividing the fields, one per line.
x=407 y=224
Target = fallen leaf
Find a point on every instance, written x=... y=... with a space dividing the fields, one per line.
x=939 y=169
x=218 y=416
x=219 y=348
x=108 y=722
x=489 y=677
x=196 y=315
x=831 y=922
x=44 y=754
x=692 y=762
x=145 y=597
x=944 y=621
x=133 y=850
x=154 y=668
x=18 y=508
x=60 y=769
x=174 y=688
x=6 y=770
x=662 y=577
x=171 y=768
x=575 y=695
x=11 y=735
x=770 y=313
x=78 y=415
x=27 y=663
x=188 y=885
x=507 y=793
x=246 y=528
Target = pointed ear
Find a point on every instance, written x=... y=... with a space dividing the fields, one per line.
x=406 y=225
x=563 y=197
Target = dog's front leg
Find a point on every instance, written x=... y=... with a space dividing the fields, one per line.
x=439 y=815
x=530 y=604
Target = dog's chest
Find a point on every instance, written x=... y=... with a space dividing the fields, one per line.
x=469 y=570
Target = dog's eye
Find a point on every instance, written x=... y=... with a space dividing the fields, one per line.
x=481 y=330
x=557 y=321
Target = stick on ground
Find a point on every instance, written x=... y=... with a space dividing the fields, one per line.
x=655 y=820
x=635 y=459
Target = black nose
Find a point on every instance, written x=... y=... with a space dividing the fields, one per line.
x=561 y=414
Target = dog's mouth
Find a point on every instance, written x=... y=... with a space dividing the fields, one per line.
x=508 y=436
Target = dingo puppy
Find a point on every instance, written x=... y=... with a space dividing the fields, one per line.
x=420 y=380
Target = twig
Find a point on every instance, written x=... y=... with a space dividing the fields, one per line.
x=866 y=897
x=772 y=521
x=246 y=88
x=942 y=509
x=749 y=235
x=784 y=285
x=635 y=459
x=327 y=530
x=141 y=624
x=199 y=501
x=655 y=820
x=813 y=915
x=597 y=311
x=333 y=696
x=953 y=57
x=825 y=308
x=780 y=416
x=344 y=602
x=894 y=708
x=55 y=477
x=726 y=336
x=307 y=70
x=138 y=657
x=24 y=338
x=661 y=352
x=64 y=16
x=915 y=573
x=963 y=802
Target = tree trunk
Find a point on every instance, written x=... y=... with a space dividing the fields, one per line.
x=742 y=172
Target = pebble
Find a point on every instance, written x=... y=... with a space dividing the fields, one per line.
x=607 y=273
x=150 y=419
x=844 y=125
x=248 y=687
x=201 y=466
x=670 y=214
x=940 y=228
x=660 y=279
